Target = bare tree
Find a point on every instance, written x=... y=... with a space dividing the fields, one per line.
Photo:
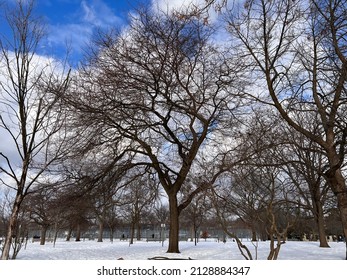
x=39 y=206
x=195 y=214
x=305 y=167
x=260 y=197
x=281 y=210
x=163 y=87
x=140 y=193
x=21 y=228
x=256 y=190
x=297 y=52
x=28 y=119
x=301 y=159
x=222 y=205
x=107 y=193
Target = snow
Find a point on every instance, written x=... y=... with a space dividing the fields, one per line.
x=205 y=250
x=91 y=260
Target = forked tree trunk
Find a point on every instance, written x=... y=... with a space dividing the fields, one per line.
x=275 y=250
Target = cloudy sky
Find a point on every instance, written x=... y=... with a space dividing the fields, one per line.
x=72 y=22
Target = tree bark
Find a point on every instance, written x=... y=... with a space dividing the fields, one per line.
x=138 y=233
x=11 y=230
x=78 y=233
x=101 y=230
x=68 y=236
x=338 y=185
x=132 y=231
x=43 y=234
x=254 y=235
x=274 y=251
x=174 y=225
x=319 y=217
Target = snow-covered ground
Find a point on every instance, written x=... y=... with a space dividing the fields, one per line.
x=205 y=250
x=92 y=260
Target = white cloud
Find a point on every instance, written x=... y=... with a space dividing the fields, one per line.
x=98 y=13
x=78 y=30
x=10 y=126
x=73 y=35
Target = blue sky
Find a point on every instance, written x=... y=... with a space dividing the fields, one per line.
x=72 y=22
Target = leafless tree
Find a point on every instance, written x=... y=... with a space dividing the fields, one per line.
x=301 y=159
x=281 y=212
x=304 y=164
x=22 y=227
x=106 y=193
x=40 y=208
x=256 y=190
x=5 y=203
x=260 y=197
x=224 y=216
x=296 y=53
x=195 y=214
x=140 y=193
x=28 y=117
x=165 y=89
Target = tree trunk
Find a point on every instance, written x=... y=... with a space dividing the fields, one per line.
x=111 y=234
x=338 y=185
x=319 y=217
x=68 y=236
x=192 y=234
x=138 y=233
x=174 y=225
x=78 y=233
x=342 y=205
x=275 y=250
x=323 y=242
x=11 y=230
x=132 y=232
x=254 y=235
x=196 y=236
x=272 y=248
x=101 y=230
x=43 y=235
x=55 y=234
